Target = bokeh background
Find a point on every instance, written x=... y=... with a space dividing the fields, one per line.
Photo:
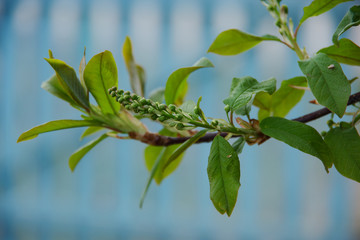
x=285 y=194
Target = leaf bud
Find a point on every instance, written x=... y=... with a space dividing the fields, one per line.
x=330 y=123
x=214 y=122
x=178 y=117
x=172 y=107
x=121 y=99
x=143 y=101
x=284 y=9
x=162 y=118
x=162 y=107
x=134 y=105
x=197 y=111
x=227 y=108
x=172 y=124
x=270 y=8
x=151 y=110
x=278 y=23
x=134 y=96
x=180 y=126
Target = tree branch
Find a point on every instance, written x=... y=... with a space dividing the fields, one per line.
x=159 y=140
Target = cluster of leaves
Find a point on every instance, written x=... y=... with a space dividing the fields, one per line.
x=119 y=112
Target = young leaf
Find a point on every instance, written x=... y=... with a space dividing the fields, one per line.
x=318 y=7
x=152 y=153
x=327 y=82
x=81 y=73
x=54 y=126
x=157 y=95
x=347 y=52
x=183 y=147
x=90 y=130
x=345 y=146
x=101 y=74
x=351 y=18
x=224 y=175
x=154 y=169
x=53 y=86
x=298 y=135
x=69 y=82
x=233 y=41
x=282 y=101
x=238 y=145
x=176 y=84
x=243 y=89
x=136 y=72
x=80 y=153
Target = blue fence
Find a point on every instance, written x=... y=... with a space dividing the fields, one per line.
x=285 y=194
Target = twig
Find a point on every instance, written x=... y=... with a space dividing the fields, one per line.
x=159 y=140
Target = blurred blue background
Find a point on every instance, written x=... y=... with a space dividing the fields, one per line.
x=285 y=194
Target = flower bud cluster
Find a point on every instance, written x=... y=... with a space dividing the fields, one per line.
x=171 y=115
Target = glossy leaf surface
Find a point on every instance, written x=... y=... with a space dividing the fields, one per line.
x=80 y=153
x=101 y=74
x=298 y=135
x=54 y=126
x=345 y=146
x=327 y=82
x=224 y=175
x=346 y=52
x=176 y=83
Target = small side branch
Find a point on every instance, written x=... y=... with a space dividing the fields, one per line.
x=159 y=140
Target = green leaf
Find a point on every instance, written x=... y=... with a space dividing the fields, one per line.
x=224 y=175
x=347 y=52
x=233 y=41
x=345 y=146
x=298 y=135
x=263 y=100
x=54 y=126
x=154 y=169
x=327 y=82
x=287 y=97
x=81 y=73
x=69 y=81
x=101 y=74
x=176 y=85
x=238 y=145
x=90 y=130
x=318 y=7
x=351 y=18
x=53 y=86
x=157 y=95
x=282 y=101
x=183 y=147
x=80 y=153
x=136 y=72
x=152 y=153
x=243 y=89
